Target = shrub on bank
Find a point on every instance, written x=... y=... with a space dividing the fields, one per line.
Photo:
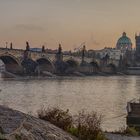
x=56 y=116
x=88 y=125
x=131 y=131
x=84 y=125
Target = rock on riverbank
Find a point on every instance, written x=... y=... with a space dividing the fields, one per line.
x=15 y=125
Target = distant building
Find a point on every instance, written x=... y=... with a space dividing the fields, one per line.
x=112 y=53
x=124 y=43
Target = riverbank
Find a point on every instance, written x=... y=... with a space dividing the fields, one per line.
x=15 y=125
x=41 y=77
x=6 y=74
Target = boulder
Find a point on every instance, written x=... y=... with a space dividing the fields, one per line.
x=15 y=125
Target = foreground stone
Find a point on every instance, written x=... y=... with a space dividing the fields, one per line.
x=15 y=125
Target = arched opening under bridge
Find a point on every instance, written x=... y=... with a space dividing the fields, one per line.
x=94 y=66
x=72 y=65
x=45 y=64
x=11 y=63
x=112 y=68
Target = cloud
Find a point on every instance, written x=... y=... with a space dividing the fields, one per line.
x=29 y=27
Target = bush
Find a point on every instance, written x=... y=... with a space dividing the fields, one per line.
x=101 y=136
x=85 y=126
x=88 y=125
x=73 y=131
x=57 y=117
x=131 y=131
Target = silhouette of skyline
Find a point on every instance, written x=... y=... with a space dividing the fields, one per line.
x=99 y=23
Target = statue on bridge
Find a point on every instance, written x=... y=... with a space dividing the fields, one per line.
x=60 y=65
x=83 y=63
x=60 y=49
x=28 y=64
x=43 y=49
x=11 y=45
x=27 y=46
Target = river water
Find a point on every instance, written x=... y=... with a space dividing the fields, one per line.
x=106 y=95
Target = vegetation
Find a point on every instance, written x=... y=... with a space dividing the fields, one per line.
x=2 y=137
x=129 y=131
x=57 y=117
x=84 y=125
x=18 y=137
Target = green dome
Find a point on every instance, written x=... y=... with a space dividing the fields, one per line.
x=124 y=42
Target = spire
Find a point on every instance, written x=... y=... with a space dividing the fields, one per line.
x=124 y=34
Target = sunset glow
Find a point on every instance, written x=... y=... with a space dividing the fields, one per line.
x=99 y=23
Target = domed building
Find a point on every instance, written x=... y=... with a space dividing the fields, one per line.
x=124 y=43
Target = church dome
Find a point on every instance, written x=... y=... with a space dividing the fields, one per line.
x=124 y=43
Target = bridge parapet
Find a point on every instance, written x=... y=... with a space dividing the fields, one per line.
x=36 y=55
x=45 y=60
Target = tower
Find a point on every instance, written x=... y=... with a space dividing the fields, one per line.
x=137 y=38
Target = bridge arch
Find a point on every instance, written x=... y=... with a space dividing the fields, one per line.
x=45 y=64
x=12 y=64
x=94 y=66
x=72 y=65
x=112 y=67
x=72 y=62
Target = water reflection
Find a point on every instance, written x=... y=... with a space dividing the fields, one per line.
x=106 y=95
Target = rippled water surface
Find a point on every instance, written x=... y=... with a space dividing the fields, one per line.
x=106 y=95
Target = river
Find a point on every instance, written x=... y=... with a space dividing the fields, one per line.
x=108 y=95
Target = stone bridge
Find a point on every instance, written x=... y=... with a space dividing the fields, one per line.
x=12 y=59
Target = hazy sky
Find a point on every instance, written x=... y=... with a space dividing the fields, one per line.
x=99 y=23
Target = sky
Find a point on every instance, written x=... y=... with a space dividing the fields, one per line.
x=98 y=23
